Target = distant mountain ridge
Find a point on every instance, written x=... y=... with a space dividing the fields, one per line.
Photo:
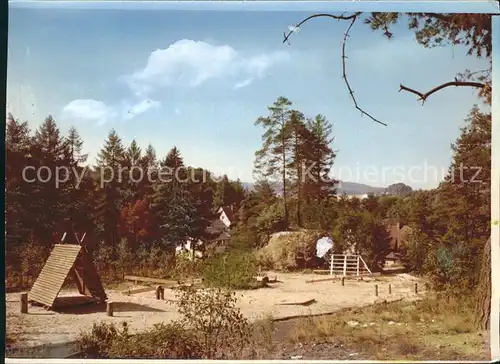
x=354 y=188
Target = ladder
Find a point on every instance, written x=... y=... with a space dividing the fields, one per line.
x=348 y=265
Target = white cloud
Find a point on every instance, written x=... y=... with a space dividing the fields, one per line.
x=190 y=63
x=99 y=112
x=90 y=110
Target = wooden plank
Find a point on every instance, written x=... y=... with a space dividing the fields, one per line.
x=138 y=290
x=161 y=281
x=151 y=280
x=300 y=303
x=322 y=280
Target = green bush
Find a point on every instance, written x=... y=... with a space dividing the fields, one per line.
x=234 y=270
x=170 y=341
x=97 y=342
x=220 y=326
x=211 y=328
x=166 y=341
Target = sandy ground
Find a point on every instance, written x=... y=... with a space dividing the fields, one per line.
x=142 y=310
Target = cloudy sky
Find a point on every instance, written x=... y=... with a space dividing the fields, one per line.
x=199 y=80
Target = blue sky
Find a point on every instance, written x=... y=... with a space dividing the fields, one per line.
x=199 y=80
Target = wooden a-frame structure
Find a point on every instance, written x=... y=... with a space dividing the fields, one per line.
x=72 y=257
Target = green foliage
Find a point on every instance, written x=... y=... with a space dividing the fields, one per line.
x=97 y=343
x=213 y=316
x=210 y=326
x=416 y=250
x=125 y=257
x=168 y=341
x=235 y=270
x=359 y=231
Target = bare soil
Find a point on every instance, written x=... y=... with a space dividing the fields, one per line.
x=142 y=310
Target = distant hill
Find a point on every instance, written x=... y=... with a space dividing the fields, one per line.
x=354 y=188
x=399 y=189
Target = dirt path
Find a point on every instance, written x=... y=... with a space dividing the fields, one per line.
x=142 y=310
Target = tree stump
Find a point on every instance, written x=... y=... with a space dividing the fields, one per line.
x=24 y=303
x=109 y=309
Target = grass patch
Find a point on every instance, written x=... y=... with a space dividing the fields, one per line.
x=433 y=329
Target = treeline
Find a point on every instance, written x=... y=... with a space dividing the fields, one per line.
x=109 y=200
x=139 y=222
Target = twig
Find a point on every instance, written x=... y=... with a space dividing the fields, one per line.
x=353 y=18
x=324 y=15
x=424 y=96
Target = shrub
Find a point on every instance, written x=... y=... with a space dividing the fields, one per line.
x=168 y=341
x=234 y=270
x=212 y=315
x=211 y=327
x=97 y=342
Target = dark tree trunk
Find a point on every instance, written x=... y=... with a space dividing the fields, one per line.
x=483 y=290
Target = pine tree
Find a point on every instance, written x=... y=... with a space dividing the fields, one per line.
x=176 y=210
x=300 y=153
x=274 y=156
x=135 y=173
x=79 y=186
x=222 y=195
x=465 y=200
x=49 y=205
x=149 y=165
x=18 y=193
x=321 y=185
x=110 y=162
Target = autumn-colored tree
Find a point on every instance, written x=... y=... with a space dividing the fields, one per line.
x=137 y=223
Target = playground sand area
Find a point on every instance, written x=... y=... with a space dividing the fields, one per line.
x=293 y=295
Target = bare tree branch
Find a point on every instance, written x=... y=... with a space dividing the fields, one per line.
x=344 y=74
x=322 y=15
x=424 y=96
x=352 y=18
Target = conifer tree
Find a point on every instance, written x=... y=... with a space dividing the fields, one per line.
x=274 y=156
x=110 y=162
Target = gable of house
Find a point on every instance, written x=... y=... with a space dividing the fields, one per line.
x=226 y=215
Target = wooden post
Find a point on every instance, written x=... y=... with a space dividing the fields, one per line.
x=390 y=289
x=159 y=292
x=331 y=264
x=376 y=290
x=426 y=286
x=357 y=265
x=162 y=293
x=343 y=283
x=109 y=308
x=24 y=303
x=416 y=288
x=345 y=264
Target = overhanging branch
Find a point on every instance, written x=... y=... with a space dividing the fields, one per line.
x=352 y=18
x=423 y=96
x=344 y=75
